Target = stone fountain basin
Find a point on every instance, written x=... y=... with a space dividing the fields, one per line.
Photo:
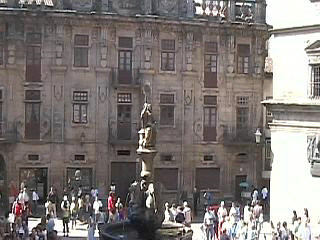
x=125 y=231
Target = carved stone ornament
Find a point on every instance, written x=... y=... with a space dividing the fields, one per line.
x=313 y=153
x=167 y=6
x=128 y=4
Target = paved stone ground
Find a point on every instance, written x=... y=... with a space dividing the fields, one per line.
x=80 y=232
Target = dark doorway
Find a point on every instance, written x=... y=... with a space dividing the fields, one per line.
x=80 y=177
x=3 y=185
x=240 y=185
x=123 y=174
x=35 y=179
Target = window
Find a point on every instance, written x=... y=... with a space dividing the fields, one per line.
x=80 y=107
x=123 y=152
x=32 y=114
x=80 y=157
x=268 y=155
x=243 y=58
x=1 y=48
x=166 y=158
x=124 y=97
x=268 y=114
x=315 y=81
x=33 y=57
x=125 y=60
x=2 y=124
x=208 y=158
x=210 y=64
x=242 y=113
x=210 y=118
x=81 y=50
x=124 y=116
x=167 y=109
x=168 y=55
x=1 y=101
x=33 y=157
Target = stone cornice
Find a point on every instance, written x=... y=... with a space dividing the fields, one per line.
x=107 y=16
x=296 y=29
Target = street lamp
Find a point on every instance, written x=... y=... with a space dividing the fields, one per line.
x=258 y=136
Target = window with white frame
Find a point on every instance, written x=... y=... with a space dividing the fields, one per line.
x=315 y=81
x=268 y=113
x=268 y=155
x=243 y=51
x=210 y=118
x=167 y=109
x=80 y=107
x=168 y=55
x=242 y=113
x=33 y=57
x=2 y=127
x=210 y=64
x=1 y=48
x=81 y=50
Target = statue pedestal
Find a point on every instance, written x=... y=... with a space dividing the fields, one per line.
x=147 y=156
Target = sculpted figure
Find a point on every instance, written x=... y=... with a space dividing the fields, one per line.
x=148 y=125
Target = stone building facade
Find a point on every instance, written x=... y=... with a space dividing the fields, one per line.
x=74 y=76
x=294 y=48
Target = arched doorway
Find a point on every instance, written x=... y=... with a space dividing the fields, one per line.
x=3 y=185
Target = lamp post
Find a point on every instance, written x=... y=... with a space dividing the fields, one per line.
x=258 y=135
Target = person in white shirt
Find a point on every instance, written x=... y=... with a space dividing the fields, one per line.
x=222 y=212
x=255 y=195
x=173 y=211
x=208 y=224
x=187 y=214
x=35 y=198
x=247 y=214
x=233 y=213
x=97 y=204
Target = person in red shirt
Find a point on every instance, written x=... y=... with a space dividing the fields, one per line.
x=112 y=207
x=18 y=209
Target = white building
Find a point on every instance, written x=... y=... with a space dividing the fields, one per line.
x=295 y=49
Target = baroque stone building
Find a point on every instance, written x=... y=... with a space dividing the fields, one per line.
x=74 y=76
x=295 y=129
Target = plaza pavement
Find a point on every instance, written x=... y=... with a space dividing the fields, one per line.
x=81 y=232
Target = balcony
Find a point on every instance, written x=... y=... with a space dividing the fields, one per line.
x=251 y=11
x=124 y=78
x=235 y=136
x=8 y=132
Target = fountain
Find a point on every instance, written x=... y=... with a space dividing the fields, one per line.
x=146 y=215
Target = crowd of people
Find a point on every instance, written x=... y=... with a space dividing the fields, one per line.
x=235 y=222
x=76 y=206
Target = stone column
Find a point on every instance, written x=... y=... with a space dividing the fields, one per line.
x=232 y=10
x=147 y=7
x=190 y=9
x=260 y=15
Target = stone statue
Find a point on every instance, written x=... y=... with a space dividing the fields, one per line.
x=148 y=128
x=151 y=201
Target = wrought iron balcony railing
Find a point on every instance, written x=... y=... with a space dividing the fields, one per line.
x=129 y=78
x=238 y=136
x=8 y=131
